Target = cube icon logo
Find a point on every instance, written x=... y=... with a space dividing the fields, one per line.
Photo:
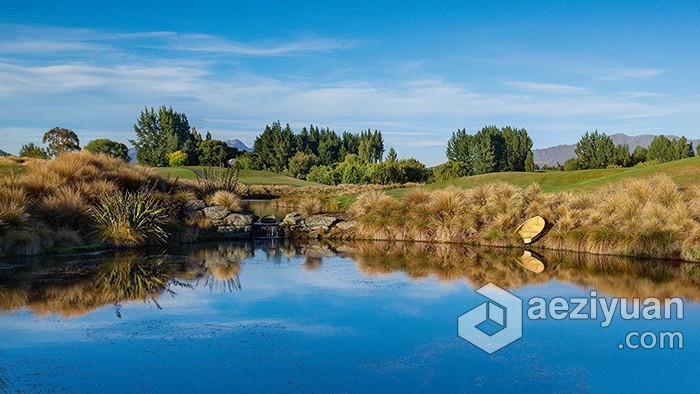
x=503 y=312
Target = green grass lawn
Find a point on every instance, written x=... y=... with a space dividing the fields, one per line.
x=246 y=177
x=684 y=172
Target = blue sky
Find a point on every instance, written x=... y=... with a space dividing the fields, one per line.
x=415 y=70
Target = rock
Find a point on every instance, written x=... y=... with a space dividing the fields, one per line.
x=293 y=219
x=239 y=220
x=346 y=225
x=193 y=205
x=269 y=219
x=319 y=222
x=471 y=231
x=531 y=229
x=215 y=213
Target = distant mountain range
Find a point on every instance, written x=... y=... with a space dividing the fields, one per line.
x=561 y=153
x=235 y=143
x=3 y=153
x=238 y=145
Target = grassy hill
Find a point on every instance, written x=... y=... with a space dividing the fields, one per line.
x=684 y=172
x=246 y=177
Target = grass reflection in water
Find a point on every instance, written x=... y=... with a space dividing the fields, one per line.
x=71 y=287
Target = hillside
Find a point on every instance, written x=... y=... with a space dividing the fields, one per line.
x=561 y=153
x=683 y=172
x=247 y=177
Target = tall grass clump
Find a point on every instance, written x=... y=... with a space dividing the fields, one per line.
x=310 y=205
x=226 y=199
x=84 y=198
x=213 y=179
x=650 y=217
x=130 y=219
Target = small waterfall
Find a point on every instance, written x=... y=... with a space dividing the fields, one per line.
x=266 y=230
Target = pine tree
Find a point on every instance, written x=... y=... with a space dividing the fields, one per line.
x=391 y=157
x=529 y=162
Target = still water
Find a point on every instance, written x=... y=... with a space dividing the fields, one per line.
x=352 y=317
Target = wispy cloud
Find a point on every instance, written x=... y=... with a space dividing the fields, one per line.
x=31 y=40
x=99 y=80
x=547 y=87
x=620 y=74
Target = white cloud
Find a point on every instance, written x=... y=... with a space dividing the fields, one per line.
x=32 y=40
x=95 y=80
x=548 y=87
x=629 y=73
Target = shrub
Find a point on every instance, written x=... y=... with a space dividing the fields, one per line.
x=129 y=219
x=177 y=158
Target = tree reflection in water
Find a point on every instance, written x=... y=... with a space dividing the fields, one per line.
x=70 y=286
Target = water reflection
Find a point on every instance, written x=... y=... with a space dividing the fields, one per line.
x=4 y=382
x=71 y=287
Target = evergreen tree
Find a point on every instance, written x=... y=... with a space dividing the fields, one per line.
x=622 y=156
x=273 y=148
x=161 y=133
x=683 y=149
x=459 y=147
x=529 y=162
x=351 y=144
x=329 y=147
x=639 y=155
x=595 y=150
x=661 y=149
x=391 y=156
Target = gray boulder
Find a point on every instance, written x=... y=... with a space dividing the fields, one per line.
x=319 y=222
x=216 y=212
x=293 y=219
x=239 y=220
x=346 y=225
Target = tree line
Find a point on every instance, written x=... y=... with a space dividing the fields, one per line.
x=321 y=155
x=597 y=150
x=489 y=150
x=165 y=138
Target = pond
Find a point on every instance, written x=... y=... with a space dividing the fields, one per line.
x=264 y=207
x=276 y=316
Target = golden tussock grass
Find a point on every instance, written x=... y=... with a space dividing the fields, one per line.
x=311 y=205
x=650 y=217
x=226 y=199
x=61 y=198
